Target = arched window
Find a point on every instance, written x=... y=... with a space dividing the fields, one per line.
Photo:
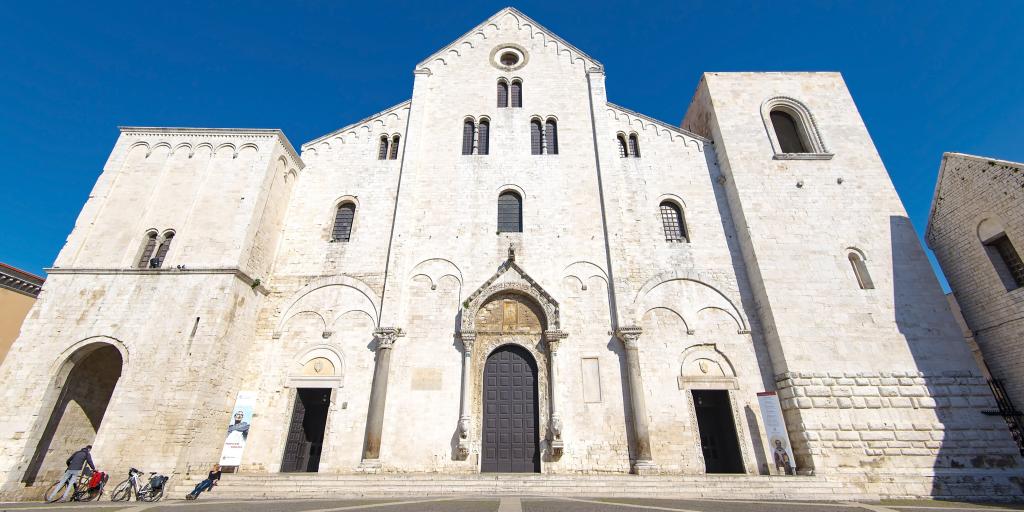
x=672 y=222
x=343 y=220
x=551 y=137
x=502 y=94
x=517 y=94
x=860 y=270
x=394 y=147
x=483 y=137
x=148 y=246
x=510 y=213
x=1001 y=252
x=623 y=152
x=382 y=152
x=468 y=128
x=536 y=144
x=787 y=132
x=634 y=146
x=161 y=252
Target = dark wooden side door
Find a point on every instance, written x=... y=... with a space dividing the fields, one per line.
x=718 y=440
x=295 y=448
x=510 y=442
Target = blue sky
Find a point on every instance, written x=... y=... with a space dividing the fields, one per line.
x=927 y=77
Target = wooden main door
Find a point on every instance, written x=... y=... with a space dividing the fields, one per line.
x=510 y=442
x=306 y=431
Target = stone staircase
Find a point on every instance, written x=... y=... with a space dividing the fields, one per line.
x=315 y=485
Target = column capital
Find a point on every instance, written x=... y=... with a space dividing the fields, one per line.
x=629 y=334
x=386 y=336
x=468 y=338
x=552 y=337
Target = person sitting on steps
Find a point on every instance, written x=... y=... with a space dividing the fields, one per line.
x=205 y=485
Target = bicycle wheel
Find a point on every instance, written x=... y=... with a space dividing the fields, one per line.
x=91 y=495
x=156 y=495
x=146 y=493
x=55 y=492
x=123 y=491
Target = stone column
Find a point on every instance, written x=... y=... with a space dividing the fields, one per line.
x=644 y=465
x=386 y=337
x=555 y=419
x=468 y=338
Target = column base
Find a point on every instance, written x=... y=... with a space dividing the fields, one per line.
x=369 y=466
x=645 y=467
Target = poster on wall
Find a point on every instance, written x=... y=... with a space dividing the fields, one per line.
x=238 y=429
x=775 y=429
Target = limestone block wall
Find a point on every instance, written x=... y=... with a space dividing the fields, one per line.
x=798 y=219
x=971 y=191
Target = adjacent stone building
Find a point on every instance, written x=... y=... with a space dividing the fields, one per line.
x=976 y=229
x=508 y=273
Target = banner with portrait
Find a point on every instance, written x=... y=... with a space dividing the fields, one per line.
x=778 y=437
x=238 y=429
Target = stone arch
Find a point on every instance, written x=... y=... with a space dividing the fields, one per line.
x=320 y=365
x=806 y=124
x=83 y=383
x=363 y=299
x=436 y=268
x=650 y=296
x=510 y=278
x=717 y=364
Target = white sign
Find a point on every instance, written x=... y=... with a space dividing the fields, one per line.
x=238 y=429
x=775 y=430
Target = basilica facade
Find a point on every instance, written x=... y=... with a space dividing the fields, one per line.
x=507 y=273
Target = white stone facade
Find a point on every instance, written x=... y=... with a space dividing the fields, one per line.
x=978 y=200
x=876 y=384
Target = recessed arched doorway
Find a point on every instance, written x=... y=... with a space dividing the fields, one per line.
x=510 y=441
x=91 y=373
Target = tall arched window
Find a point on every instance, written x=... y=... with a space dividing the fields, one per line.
x=483 y=137
x=502 y=94
x=536 y=132
x=468 y=128
x=634 y=146
x=551 y=136
x=510 y=213
x=394 y=147
x=382 y=152
x=623 y=152
x=787 y=132
x=343 y=220
x=517 y=94
x=161 y=252
x=860 y=271
x=148 y=246
x=673 y=223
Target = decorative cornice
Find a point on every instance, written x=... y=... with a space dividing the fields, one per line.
x=20 y=281
x=235 y=271
x=364 y=120
x=947 y=158
x=223 y=132
x=662 y=124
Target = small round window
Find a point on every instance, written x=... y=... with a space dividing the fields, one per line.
x=509 y=59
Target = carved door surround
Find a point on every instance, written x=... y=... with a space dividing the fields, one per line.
x=509 y=308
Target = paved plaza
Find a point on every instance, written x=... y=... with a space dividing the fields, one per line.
x=513 y=504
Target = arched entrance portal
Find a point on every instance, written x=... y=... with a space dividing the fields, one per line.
x=511 y=423
x=91 y=374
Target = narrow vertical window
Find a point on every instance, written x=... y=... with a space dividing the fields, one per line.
x=517 y=94
x=165 y=245
x=1012 y=266
x=634 y=146
x=672 y=222
x=382 y=152
x=343 y=222
x=483 y=137
x=788 y=133
x=502 y=94
x=468 y=128
x=623 y=152
x=394 y=147
x=860 y=270
x=551 y=137
x=148 y=246
x=535 y=137
x=510 y=213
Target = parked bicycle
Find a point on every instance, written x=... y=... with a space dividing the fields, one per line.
x=87 y=487
x=148 y=491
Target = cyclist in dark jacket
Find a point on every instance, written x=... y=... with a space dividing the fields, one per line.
x=75 y=462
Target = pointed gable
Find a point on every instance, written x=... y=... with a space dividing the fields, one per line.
x=510 y=277
x=490 y=32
